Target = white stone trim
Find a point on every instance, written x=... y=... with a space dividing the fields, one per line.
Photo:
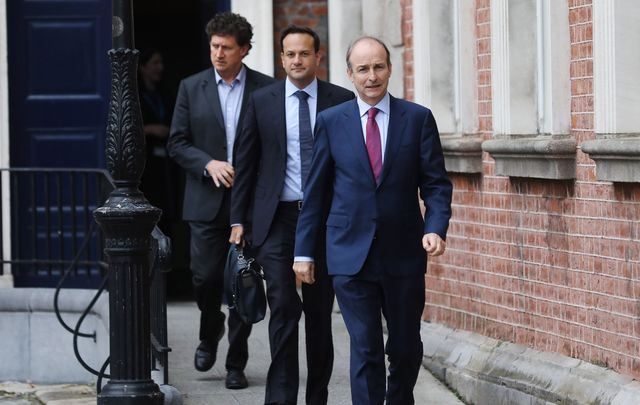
x=616 y=63
x=383 y=19
x=345 y=25
x=445 y=77
x=604 y=74
x=421 y=54
x=466 y=68
x=260 y=14
x=5 y=280
x=349 y=19
x=554 y=94
x=500 y=67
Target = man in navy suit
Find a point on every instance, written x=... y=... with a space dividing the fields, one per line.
x=274 y=153
x=209 y=108
x=372 y=156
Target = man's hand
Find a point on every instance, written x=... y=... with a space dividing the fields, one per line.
x=221 y=172
x=305 y=272
x=237 y=234
x=433 y=244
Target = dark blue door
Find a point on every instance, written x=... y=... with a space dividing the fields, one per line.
x=58 y=93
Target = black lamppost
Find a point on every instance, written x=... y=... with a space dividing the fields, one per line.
x=127 y=220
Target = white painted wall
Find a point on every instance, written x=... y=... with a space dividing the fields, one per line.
x=259 y=13
x=6 y=279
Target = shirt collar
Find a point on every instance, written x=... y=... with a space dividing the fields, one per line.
x=383 y=105
x=242 y=74
x=311 y=89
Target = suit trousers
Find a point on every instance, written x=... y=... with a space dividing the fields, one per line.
x=362 y=299
x=209 y=248
x=276 y=257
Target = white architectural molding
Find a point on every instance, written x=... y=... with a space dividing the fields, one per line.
x=349 y=19
x=500 y=79
x=5 y=280
x=383 y=19
x=604 y=62
x=554 y=95
x=466 y=94
x=345 y=25
x=260 y=14
x=421 y=54
x=445 y=79
x=514 y=67
x=616 y=63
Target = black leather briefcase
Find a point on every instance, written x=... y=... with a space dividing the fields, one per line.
x=244 y=286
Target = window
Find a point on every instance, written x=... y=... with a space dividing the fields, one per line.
x=531 y=90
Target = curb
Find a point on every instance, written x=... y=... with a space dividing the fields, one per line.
x=492 y=372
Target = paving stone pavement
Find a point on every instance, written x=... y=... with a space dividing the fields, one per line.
x=208 y=388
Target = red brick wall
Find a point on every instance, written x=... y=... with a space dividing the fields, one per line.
x=553 y=265
x=311 y=13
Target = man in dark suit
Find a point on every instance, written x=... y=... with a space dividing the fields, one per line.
x=209 y=108
x=372 y=155
x=273 y=156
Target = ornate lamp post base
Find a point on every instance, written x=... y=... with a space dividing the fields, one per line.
x=127 y=220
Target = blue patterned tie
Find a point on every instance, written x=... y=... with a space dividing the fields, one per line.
x=306 y=136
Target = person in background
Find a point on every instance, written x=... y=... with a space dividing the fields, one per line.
x=160 y=177
x=209 y=107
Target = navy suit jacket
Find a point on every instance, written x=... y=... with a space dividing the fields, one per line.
x=197 y=135
x=360 y=210
x=261 y=156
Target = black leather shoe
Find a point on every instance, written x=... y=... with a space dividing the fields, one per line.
x=205 y=356
x=236 y=380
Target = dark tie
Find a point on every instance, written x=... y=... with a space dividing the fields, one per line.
x=306 y=136
x=374 y=148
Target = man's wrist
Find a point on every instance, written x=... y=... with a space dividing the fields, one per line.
x=303 y=259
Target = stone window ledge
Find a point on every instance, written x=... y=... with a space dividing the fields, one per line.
x=462 y=153
x=617 y=160
x=543 y=157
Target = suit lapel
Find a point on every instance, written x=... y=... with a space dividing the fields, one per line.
x=324 y=97
x=394 y=136
x=353 y=129
x=249 y=86
x=210 y=89
x=279 y=117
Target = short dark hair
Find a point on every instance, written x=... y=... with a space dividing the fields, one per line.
x=371 y=38
x=231 y=24
x=146 y=54
x=295 y=29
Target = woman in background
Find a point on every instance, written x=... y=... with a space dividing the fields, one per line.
x=159 y=180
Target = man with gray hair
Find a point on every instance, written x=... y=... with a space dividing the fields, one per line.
x=371 y=155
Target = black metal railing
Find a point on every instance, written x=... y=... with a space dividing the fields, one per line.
x=56 y=243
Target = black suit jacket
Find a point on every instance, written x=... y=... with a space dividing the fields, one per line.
x=198 y=135
x=261 y=155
